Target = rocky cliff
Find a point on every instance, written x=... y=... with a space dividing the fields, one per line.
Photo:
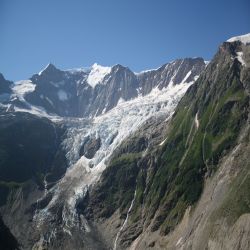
x=190 y=190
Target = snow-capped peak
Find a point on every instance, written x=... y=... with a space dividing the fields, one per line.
x=244 y=39
x=97 y=74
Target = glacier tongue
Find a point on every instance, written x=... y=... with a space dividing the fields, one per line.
x=112 y=128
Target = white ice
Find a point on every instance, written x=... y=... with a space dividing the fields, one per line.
x=21 y=88
x=244 y=39
x=97 y=74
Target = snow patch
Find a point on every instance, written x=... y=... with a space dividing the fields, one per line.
x=62 y=95
x=186 y=77
x=245 y=39
x=146 y=71
x=162 y=142
x=240 y=58
x=97 y=74
x=38 y=111
x=21 y=88
x=197 y=123
x=121 y=100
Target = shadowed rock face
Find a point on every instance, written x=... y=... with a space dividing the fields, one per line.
x=8 y=241
x=90 y=146
x=29 y=150
x=5 y=91
x=5 y=85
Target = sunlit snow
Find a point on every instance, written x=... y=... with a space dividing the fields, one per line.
x=244 y=38
x=21 y=88
x=97 y=74
x=240 y=58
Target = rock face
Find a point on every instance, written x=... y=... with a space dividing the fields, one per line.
x=30 y=152
x=5 y=91
x=55 y=91
x=120 y=84
x=5 y=85
x=8 y=241
x=200 y=165
x=90 y=146
x=182 y=70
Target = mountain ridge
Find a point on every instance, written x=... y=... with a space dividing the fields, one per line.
x=68 y=93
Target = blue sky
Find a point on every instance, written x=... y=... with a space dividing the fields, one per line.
x=140 y=34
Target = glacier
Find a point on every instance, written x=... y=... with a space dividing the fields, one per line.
x=112 y=128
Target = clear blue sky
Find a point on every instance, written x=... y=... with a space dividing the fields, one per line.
x=140 y=34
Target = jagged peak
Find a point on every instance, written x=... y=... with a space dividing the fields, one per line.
x=49 y=68
x=119 y=66
x=178 y=60
x=2 y=77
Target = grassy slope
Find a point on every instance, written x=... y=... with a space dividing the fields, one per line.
x=170 y=179
x=191 y=153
